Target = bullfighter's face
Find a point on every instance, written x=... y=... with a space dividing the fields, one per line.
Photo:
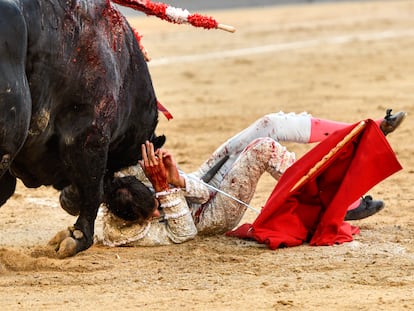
x=157 y=207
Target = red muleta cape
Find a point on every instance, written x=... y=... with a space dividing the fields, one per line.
x=315 y=211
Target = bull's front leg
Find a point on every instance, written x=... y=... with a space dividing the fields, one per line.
x=85 y=160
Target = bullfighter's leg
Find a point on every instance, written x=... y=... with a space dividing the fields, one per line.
x=222 y=213
x=287 y=127
x=85 y=159
x=15 y=101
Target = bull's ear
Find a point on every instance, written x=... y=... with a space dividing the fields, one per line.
x=158 y=141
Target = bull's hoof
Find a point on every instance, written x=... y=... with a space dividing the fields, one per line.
x=67 y=248
x=58 y=238
x=66 y=242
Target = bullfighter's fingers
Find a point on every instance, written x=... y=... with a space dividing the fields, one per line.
x=166 y=153
x=153 y=159
x=161 y=153
x=144 y=155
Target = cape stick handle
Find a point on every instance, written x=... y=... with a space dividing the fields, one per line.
x=355 y=131
x=226 y=27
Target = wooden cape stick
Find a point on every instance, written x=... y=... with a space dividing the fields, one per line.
x=226 y=27
x=356 y=130
x=158 y=9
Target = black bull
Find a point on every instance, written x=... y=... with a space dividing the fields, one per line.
x=76 y=102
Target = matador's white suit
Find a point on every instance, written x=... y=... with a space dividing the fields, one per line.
x=199 y=210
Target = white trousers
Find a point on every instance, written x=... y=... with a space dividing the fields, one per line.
x=251 y=152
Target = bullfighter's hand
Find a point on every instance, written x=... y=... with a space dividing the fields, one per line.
x=153 y=167
x=173 y=176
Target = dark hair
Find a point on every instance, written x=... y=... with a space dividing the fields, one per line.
x=129 y=199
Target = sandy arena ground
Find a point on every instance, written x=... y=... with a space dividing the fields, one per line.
x=340 y=61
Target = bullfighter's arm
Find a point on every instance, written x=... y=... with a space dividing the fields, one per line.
x=194 y=191
x=175 y=226
x=177 y=216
